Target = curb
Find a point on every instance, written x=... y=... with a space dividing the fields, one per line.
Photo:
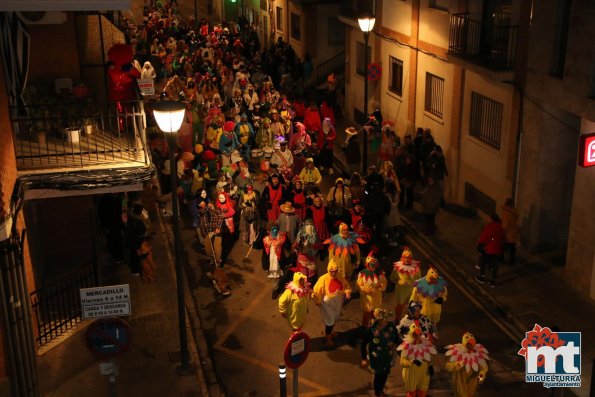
x=199 y=351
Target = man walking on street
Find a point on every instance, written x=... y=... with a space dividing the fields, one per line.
x=210 y=229
x=490 y=246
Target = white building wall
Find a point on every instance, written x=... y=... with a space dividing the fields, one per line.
x=440 y=127
x=481 y=164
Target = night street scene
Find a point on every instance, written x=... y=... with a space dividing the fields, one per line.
x=262 y=198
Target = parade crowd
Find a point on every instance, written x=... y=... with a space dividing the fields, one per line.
x=256 y=142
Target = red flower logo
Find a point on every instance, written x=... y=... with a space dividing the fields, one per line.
x=538 y=337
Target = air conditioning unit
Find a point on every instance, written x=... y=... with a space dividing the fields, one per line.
x=42 y=17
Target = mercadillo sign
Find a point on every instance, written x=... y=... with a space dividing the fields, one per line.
x=586 y=151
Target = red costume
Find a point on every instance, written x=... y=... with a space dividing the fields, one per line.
x=319 y=219
x=122 y=74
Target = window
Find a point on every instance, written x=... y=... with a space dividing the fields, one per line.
x=279 y=18
x=439 y=4
x=434 y=94
x=395 y=78
x=560 y=37
x=486 y=119
x=296 y=30
x=360 y=65
x=336 y=32
x=263 y=5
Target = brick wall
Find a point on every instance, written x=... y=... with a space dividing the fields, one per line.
x=7 y=180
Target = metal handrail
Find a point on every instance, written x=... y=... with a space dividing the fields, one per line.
x=57 y=307
x=334 y=64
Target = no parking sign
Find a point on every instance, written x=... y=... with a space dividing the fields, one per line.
x=297 y=349
x=374 y=71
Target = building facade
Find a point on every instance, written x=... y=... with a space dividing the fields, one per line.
x=508 y=121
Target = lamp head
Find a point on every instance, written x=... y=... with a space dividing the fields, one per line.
x=366 y=23
x=169 y=115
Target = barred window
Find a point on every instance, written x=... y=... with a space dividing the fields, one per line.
x=434 y=94
x=395 y=82
x=336 y=31
x=296 y=29
x=439 y=4
x=486 y=119
x=263 y=5
x=360 y=65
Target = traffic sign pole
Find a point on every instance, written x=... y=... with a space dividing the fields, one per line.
x=295 y=382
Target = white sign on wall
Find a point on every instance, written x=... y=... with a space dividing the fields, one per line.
x=146 y=86
x=107 y=301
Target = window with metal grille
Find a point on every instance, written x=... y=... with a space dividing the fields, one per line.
x=486 y=119
x=360 y=64
x=279 y=19
x=395 y=82
x=434 y=94
x=336 y=31
x=263 y=5
x=296 y=29
x=439 y=4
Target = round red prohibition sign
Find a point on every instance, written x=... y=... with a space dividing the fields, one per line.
x=374 y=71
x=297 y=349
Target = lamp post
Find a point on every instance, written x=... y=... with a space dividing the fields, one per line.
x=366 y=24
x=169 y=116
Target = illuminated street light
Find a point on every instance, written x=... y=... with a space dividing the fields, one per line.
x=169 y=116
x=366 y=24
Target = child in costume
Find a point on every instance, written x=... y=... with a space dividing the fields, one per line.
x=329 y=292
x=371 y=282
x=416 y=353
x=467 y=366
x=414 y=314
x=344 y=250
x=273 y=247
x=293 y=304
x=377 y=348
x=431 y=292
x=405 y=272
x=227 y=207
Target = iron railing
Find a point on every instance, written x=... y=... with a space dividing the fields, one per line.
x=492 y=45
x=78 y=134
x=335 y=65
x=57 y=307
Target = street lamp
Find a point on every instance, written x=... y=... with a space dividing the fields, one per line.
x=169 y=116
x=366 y=24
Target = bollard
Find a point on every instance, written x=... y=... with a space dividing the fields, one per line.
x=282 y=380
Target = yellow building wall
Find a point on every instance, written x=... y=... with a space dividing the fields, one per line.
x=394 y=107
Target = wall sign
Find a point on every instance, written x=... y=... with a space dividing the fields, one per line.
x=586 y=151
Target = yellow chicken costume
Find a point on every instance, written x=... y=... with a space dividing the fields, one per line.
x=416 y=353
x=371 y=282
x=329 y=291
x=404 y=273
x=431 y=292
x=293 y=304
x=467 y=366
x=344 y=249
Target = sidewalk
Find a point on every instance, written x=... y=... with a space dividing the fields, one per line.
x=148 y=367
x=532 y=292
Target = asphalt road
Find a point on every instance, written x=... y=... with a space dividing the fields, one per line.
x=246 y=334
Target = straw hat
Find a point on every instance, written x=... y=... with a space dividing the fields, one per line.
x=187 y=156
x=287 y=207
x=351 y=131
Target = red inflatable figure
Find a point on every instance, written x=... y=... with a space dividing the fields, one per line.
x=122 y=75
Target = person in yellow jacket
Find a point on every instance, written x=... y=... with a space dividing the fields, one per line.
x=431 y=292
x=404 y=273
x=329 y=293
x=371 y=282
x=293 y=303
x=416 y=353
x=310 y=174
x=467 y=365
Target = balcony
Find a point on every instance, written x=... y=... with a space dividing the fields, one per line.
x=70 y=136
x=490 y=45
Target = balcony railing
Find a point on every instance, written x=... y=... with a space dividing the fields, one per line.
x=74 y=134
x=336 y=65
x=487 y=44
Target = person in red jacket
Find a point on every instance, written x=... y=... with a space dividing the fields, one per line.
x=490 y=244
